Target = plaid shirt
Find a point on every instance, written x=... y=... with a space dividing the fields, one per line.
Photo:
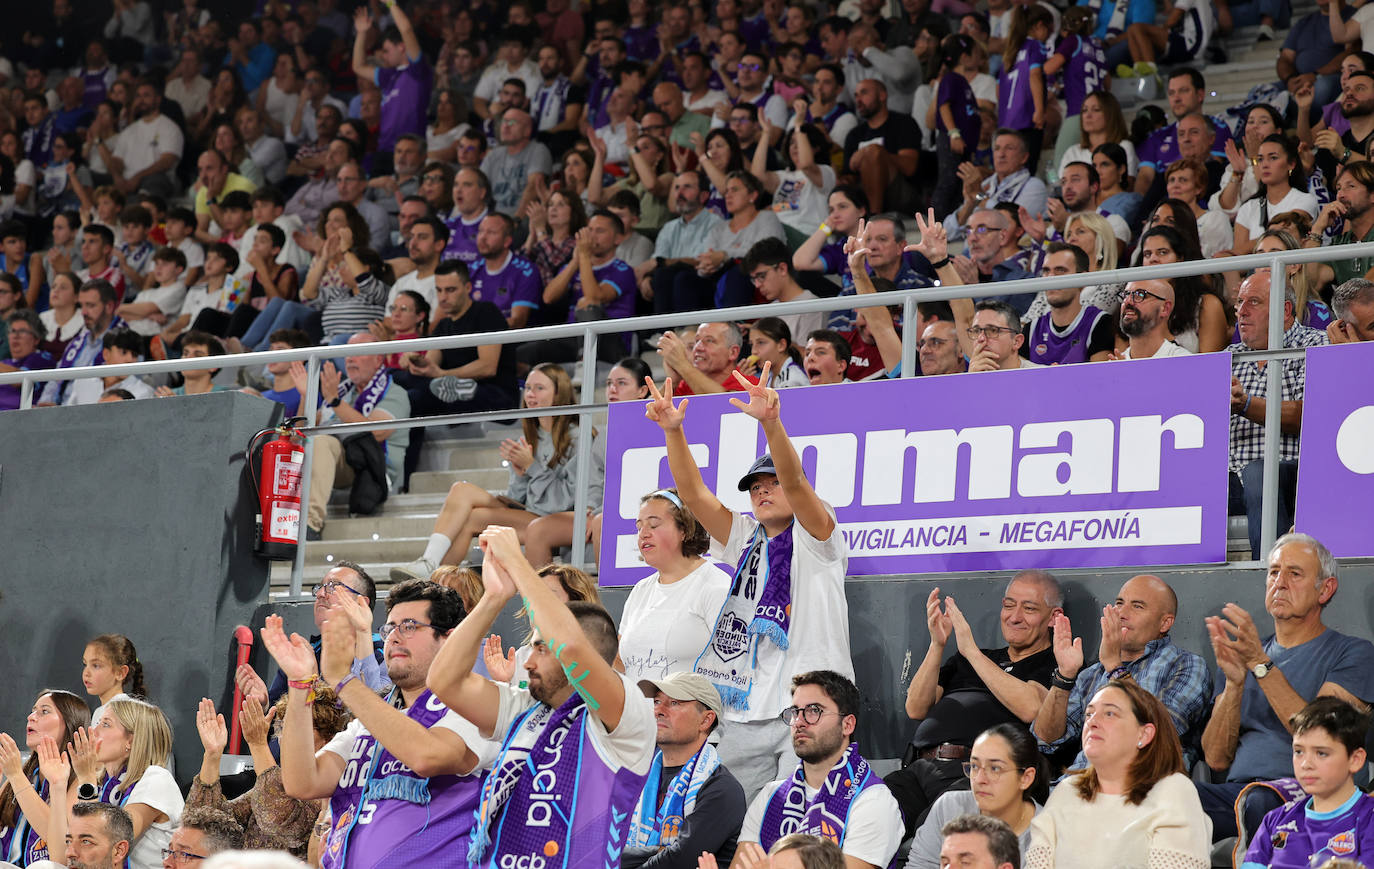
x=1247 y=438
x=1177 y=677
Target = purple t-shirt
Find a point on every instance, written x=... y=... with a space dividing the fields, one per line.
x=516 y=285
x=405 y=98
x=1161 y=148
x=957 y=93
x=641 y=43
x=462 y=239
x=94 y=87
x=1015 y=106
x=1084 y=71
x=1047 y=346
x=618 y=273
x=1293 y=834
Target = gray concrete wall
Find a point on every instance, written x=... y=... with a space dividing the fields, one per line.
x=132 y=518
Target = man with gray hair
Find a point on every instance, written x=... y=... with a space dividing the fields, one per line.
x=1249 y=383
x=977 y=688
x=1263 y=683
x=990 y=335
x=202 y=832
x=1353 y=303
x=96 y=835
x=979 y=842
x=709 y=365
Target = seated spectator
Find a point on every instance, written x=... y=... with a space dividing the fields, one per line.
x=826 y=357
x=25 y=333
x=321 y=189
x=719 y=279
x=215 y=181
x=235 y=218
x=1011 y=181
x=312 y=127
x=886 y=171
x=180 y=229
x=1353 y=304
x=149 y=149
x=1303 y=659
x=471 y=192
x=677 y=245
x=1008 y=783
x=1133 y=806
x=228 y=141
x=501 y=277
x=97 y=251
x=96 y=834
x=1101 y=123
x=719 y=155
x=1146 y=312
x=770 y=341
x=1197 y=322
x=769 y=268
x=938 y=349
x=208 y=306
x=1136 y=643
x=424 y=246
x=976 y=691
x=152 y=308
x=884 y=243
x=560 y=102
x=670 y=99
x=120 y=346
x=552 y=239
x=283 y=388
x=16 y=259
x=368 y=393
x=1186 y=90
x=1354 y=208
x=596 y=286
x=1328 y=750
x=268 y=152
x=1069 y=331
x=350 y=280
x=862 y=817
x=388 y=189
x=11 y=301
x=1310 y=310
x=542 y=475
x=800 y=191
x=823 y=251
x=1182 y=38
x=31 y=785
x=1282 y=187
x=204 y=832
x=979 y=841
x=994 y=257
x=691 y=804
x=97 y=301
x=351 y=182
x=1249 y=382
x=1309 y=51
x=633 y=248
x=512 y=61
x=516 y=163
x=198 y=381
x=711 y=363
x=1238 y=180
x=1114 y=196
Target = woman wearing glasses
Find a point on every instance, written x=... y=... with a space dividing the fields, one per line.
x=1133 y=806
x=1007 y=780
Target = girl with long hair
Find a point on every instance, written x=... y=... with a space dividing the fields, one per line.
x=1022 y=101
x=1101 y=122
x=553 y=232
x=719 y=155
x=823 y=252
x=110 y=670
x=1238 y=181
x=1198 y=321
x=770 y=340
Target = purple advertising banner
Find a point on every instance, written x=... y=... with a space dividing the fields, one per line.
x=1336 y=459
x=1120 y=463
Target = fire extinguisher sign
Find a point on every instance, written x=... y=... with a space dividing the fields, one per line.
x=286 y=479
x=285 y=522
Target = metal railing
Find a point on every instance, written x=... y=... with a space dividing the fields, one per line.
x=589 y=332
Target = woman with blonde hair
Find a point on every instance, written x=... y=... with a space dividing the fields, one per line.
x=542 y=479
x=1091 y=233
x=123 y=761
x=1309 y=310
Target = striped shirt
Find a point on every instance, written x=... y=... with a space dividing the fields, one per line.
x=345 y=313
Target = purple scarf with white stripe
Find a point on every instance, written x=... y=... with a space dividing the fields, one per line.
x=370 y=394
x=827 y=814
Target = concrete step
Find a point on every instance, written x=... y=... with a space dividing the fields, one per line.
x=438 y=482
x=383 y=527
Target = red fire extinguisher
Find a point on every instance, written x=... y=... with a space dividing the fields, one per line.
x=277 y=484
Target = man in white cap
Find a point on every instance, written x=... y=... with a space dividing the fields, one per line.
x=691 y=803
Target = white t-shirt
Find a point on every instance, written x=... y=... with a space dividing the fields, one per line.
x=88 y=390
x=489 y=85
x=1364 y=16
x=1196 y=24
x=168 y=300
x=1248 y=215
x=706 y=101
x=144 y=141
x=799 y=203
x=201 y=297
x=872 y=834
x=630 y=747
x=1215 y=232
x=1076 y=153
x=984 y=88
x=819 y=632
x=423 y=286
x=194 y=253
x=439 y=141
x=663 y=628
x=100 y=710
x=158 y=790
x=1167 y=349
x=485 y=749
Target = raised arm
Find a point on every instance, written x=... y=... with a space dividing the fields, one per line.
x=305 y=774
x=714 y=516
x=1022 y=697
x=362 y=23
x=924 y=690
x=450 y=675
x=759 y=165
x=1050 y=720
x=878 y=317
x=403 y=24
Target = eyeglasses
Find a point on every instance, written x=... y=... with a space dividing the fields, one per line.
x=810 y=713
x=30 y=333
x=989 y=332
x=1138 y=295
x=433 y=178
x=180 y=856
x=752 y=67
x=758 y=277
x=406 y=628
x=320 y=589
x=993 y=771
x=984 y=229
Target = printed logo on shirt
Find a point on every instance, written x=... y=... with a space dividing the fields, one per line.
x=731 y=638
x=524 y=861
x=1279 y=840
x=1342 y=844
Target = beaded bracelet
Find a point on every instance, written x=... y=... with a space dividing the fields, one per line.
x=306 y=685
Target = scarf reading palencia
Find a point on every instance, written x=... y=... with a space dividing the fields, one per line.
x=370 y=394
x=21 y=844
x=652 y=828
x=827 y=815
x=756 y=607
x=552 y=797
x=386 y=815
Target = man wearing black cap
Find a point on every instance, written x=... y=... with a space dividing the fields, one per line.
x=786 y=612
x=691 y=803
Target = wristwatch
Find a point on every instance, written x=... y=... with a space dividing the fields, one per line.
x=87 y=792
x=334 y=403
x=1263 y=669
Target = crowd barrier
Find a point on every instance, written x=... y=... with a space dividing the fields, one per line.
x=589 y=331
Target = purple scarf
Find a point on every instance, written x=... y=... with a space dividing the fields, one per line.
x=370 y=394
x=79 y=343
x=757 y=607
x=386 y=815
x=551 y=800
x=22 y=844
x=825 y=816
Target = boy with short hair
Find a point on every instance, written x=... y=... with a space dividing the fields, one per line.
x=1336 y=819
x=235 y=209
x=121 y=347
x=135 y=251
x=635 y=247
x=269 y=209
x=106 y=202
x=285 y=390
x=180 y=230
x=207 y=305
x=151 y=308
x=157 y=208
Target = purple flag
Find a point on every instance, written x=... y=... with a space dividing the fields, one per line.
x=1337 y=451
x=1088 y=465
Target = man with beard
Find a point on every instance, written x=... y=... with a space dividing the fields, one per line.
x=1357 y=104
x=406 y=762
x=97 y=836
x=1069 y=331
x=1186 y=90
x=1079 y=184
x=833 y=792
x=148 y=150
x=831 y=117
x=576 y=745
x=675 y=250
x=691 y=803
x=1145 y=309
x=427 y=237
x=97 y=300
x=1354 y=195
x=1353 y=304
x=509 y=282
x=883 y=149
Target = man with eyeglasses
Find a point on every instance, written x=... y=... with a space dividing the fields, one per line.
x=406 y=763
x=1145 y=309
x=752 y=76
x=518 y=164
x=691 y=803
x=25 y=332
x=351 y=183
x=768 y=265
x=991 y=340
x=833 y=792
x=938 y=350
x=201 y=833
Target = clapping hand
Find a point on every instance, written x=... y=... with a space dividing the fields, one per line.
x=329 y=381
x=255 y=725
x=250 y=684
x=1068 y=650
x=293 y=655
x=517 y=451
x=500 y=667
x=939 y=623
x=53 y=763
x=1109 y=650
x=210 y=724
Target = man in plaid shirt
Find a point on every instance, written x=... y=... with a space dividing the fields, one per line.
x=1248 y=385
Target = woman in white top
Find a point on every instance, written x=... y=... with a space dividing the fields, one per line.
x=441 y=137
x=125 y=760
x=1238 y=182
x=669 y=616
x=770 y=340
x=1282 y=188
x=1101 y=122
x=1008 y=780
x=104 y=129
x=799 y=191
x=1132 y=807
x=278 y=97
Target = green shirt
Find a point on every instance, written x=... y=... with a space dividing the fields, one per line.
x=1351 y=268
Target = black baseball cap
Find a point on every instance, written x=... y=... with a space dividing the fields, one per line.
x=762 y=465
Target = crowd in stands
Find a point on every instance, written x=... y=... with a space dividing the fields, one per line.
x=176 y=182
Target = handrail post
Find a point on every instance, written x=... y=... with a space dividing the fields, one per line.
x=309 y=408
x=1273 y=409
x=26 y=394
x=584 y=451
x=909 y=337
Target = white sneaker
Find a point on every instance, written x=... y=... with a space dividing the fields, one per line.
x=420 y=568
